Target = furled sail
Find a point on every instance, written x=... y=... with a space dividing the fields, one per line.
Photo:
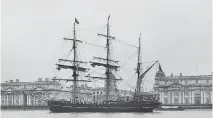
x=71 y=67
x=105 y=65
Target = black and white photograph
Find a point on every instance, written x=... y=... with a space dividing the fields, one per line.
x=106 y=59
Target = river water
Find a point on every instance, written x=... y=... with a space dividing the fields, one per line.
x=156 y=114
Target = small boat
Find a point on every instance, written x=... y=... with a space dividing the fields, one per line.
x=171 y=108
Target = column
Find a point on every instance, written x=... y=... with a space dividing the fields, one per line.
x=28 y=99
x=31 y=100
x=159 y=96
x=159 y=93
x=173 y=97
x=179 y=96
x=2 y=98
x=23 y=99
x=12 y=99
x=193 y=101
x=15 y=98
x=211 y=96
x=183 y=97
x=34 y=101
x=168 y=97
x=162 y=97
x=7 y=99
x=201 y=96
x=19 y=99
x=204 y=97
x=21 y=102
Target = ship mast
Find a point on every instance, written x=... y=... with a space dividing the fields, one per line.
x=75 y=76
x=107 y=71
x=75 y=64
x=138 y=70
x=108 y=65
x=107 y=84
x=138 y=65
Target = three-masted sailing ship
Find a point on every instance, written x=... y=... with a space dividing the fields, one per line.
x=140 y=102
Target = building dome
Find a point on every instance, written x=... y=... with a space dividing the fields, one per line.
x=160 y=72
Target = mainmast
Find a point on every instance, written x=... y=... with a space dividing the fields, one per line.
x=107 y=71
x=109 y=64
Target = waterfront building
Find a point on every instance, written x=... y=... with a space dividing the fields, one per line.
x=183 y=90
x=27 y=93
x=16 y=93
x=173 y=90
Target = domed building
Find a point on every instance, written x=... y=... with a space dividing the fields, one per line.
x=160 y=73
x=183 y=90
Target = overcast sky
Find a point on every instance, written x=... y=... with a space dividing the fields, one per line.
x=175 y=32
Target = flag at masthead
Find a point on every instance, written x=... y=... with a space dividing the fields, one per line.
x=76 y=21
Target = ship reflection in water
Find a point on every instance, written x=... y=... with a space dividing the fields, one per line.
x=155 y=114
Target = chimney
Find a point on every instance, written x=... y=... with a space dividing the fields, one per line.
x=46 y=79
x=171 y=74
x=11 y=81
x=181 y=75
x=39 y=79
x=17 y=80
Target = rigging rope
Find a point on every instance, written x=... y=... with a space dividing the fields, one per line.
x=124 y=41
x=126 y=83
x=128 y=59
x=99 y=28
x=93 y=44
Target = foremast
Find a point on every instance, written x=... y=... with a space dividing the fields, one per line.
x=75 y=64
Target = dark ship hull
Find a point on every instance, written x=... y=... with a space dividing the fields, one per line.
x=66 y=106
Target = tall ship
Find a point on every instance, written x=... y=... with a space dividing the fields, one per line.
x=140 y=102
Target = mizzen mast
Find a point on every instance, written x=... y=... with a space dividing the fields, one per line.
x=140 y=74
x=138 y=70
